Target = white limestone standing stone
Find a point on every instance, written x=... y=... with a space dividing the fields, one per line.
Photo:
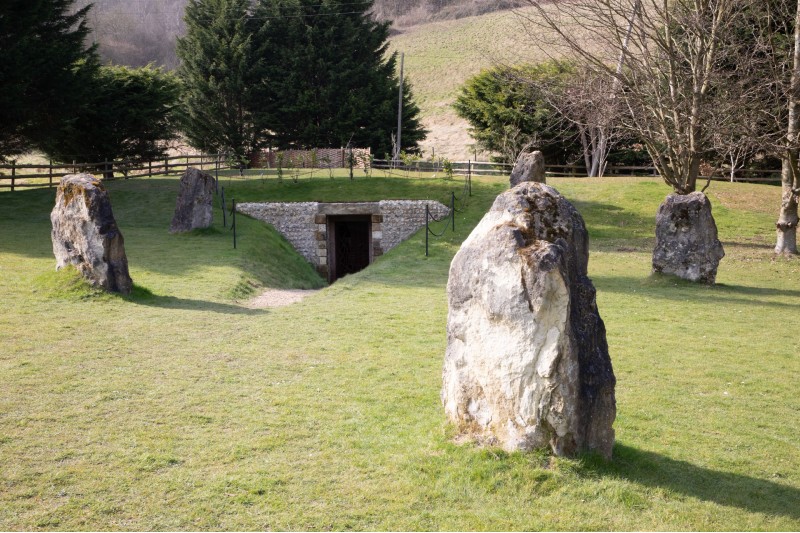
x=686 y=239
x=85 y=234
x=193 y=208
x=527 y=363
x=529 y=167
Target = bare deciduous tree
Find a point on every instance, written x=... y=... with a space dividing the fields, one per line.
x=671 y=74
x=587 y=100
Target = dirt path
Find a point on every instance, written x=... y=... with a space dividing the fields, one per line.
x=278 y=298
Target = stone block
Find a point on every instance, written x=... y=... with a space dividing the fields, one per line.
x=527 y=362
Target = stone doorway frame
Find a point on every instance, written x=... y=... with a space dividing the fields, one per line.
x=332 y=221
x=325 y=233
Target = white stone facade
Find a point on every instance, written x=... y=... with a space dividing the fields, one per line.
x=306 y=225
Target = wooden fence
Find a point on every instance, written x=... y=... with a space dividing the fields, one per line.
x=16 y=176
x=483 y=168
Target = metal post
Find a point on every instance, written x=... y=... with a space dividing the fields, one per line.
x=233 y=214
x=224 y=215
x=427 y=228
x=469 y=175
x=453 y=209
x=399 y=146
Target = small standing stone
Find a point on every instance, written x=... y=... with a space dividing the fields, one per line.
x=686 y=239
x=193 y=207
x=529 y=167
x=85 y=234
x=527 y=363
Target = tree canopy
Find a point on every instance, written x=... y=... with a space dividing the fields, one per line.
x=128 y=114
x=217 y=72
x=326 y=77
x=44 y=69
x=508 y=110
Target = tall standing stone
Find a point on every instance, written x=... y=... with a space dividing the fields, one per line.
x=193 y=209
x=686 y=239
x=529 y=167
x=527 y=363
x=85 y=234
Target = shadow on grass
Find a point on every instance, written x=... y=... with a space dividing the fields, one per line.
x=723 y=488
x=142 y=296
x=673 y=288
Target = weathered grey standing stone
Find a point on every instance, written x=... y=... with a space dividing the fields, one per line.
x=193 y=207
x=686 y=238
x=85 y=234
x=527 y=363
x=529 y=167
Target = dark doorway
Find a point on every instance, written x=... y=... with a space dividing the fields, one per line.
x=350 y=246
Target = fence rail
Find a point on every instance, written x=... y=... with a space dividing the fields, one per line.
x=46 y=175
x=483 y=168
x=16 y=176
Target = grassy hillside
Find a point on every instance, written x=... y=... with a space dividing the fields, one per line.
x=441 y=56
x=181 y=408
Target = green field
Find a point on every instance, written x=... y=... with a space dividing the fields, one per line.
x=180 y=407
x=440 y=56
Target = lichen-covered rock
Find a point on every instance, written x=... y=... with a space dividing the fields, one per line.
x=85 y=234
x=686 y=239
x=193 y=207
x=529 y=167
x=527 y=363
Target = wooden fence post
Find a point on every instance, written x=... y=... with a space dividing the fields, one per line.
x=149 y=169
x=50 y=172
x=13 y=173
x=166 y=166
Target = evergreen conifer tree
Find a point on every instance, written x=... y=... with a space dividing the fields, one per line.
x=326 y=81
x=217 y=67
x=127 y=115
x=44 y=70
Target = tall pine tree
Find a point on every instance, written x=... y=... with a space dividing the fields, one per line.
x=44 y=70
x=217 y=67
x=127 y=115
x=326 y=81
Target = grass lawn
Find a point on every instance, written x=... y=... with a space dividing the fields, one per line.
x=181 y=408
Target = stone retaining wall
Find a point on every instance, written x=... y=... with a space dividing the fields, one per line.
x=306 y=225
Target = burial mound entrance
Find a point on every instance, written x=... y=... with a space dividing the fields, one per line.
x=349 y=242
x=344 y=237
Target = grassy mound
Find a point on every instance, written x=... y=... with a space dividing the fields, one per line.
x=180 y=408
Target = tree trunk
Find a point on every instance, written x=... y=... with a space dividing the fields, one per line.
x=787 y=221
x=790 y=180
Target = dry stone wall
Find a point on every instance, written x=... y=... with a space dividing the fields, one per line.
x=295 y=221
x=305 y=224
x=403 y=218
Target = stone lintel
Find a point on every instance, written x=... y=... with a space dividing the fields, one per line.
x=354 y=208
